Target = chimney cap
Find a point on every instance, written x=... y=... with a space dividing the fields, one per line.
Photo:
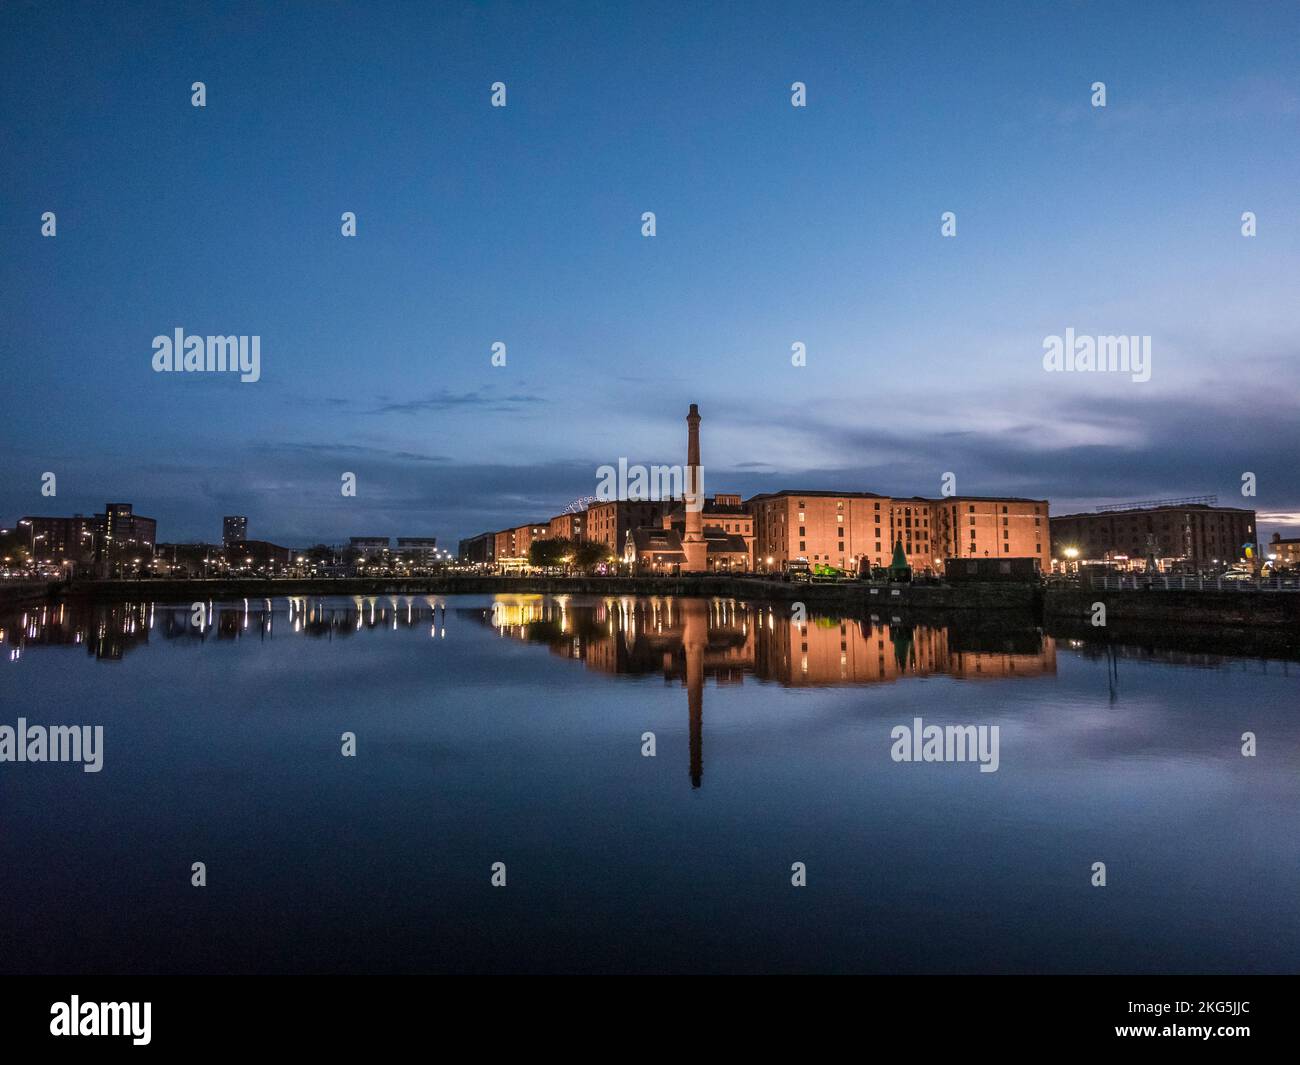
x=695 y=410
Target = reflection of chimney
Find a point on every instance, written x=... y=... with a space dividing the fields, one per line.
x=693 y=545
x=695 y=638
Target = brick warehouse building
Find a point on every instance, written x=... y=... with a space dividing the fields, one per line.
x=608 y=523
x=526 y=534
x=1199 y=533
x=504 y=545
x=844 y=528
x=567 y=526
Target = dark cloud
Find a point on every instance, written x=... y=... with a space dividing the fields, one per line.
x=478 y=400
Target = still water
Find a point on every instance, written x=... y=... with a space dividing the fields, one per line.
x=511 y=729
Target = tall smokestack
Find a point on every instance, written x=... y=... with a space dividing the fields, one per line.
x=696 y=550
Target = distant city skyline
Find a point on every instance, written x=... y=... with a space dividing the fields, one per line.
x=775 y=226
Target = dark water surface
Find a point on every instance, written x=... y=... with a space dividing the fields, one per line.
x=510 y=730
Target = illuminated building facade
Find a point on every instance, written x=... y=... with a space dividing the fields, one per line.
x=59 y=540
x=847 y=529
x=122 y=531
x=504 y=545
x=1196 y=533
x=1283 y=553
x=567 y=526
x=991 y=527
x=234 y=527
x=526 y=534
x=608 y=523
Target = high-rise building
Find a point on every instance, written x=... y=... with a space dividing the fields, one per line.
x=122 y=532
x=234 y=527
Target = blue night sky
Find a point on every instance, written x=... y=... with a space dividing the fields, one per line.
x=775 y=225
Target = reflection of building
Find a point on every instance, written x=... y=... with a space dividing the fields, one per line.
x=1196 y=533
x=695 y=645
x=234 y=527
x=107 y=631
x=690 y=639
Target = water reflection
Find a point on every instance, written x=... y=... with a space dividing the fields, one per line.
x=108 y=631
x=688 y=640
x=510 y=728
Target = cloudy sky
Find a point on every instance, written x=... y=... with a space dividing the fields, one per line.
x=522 y=224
